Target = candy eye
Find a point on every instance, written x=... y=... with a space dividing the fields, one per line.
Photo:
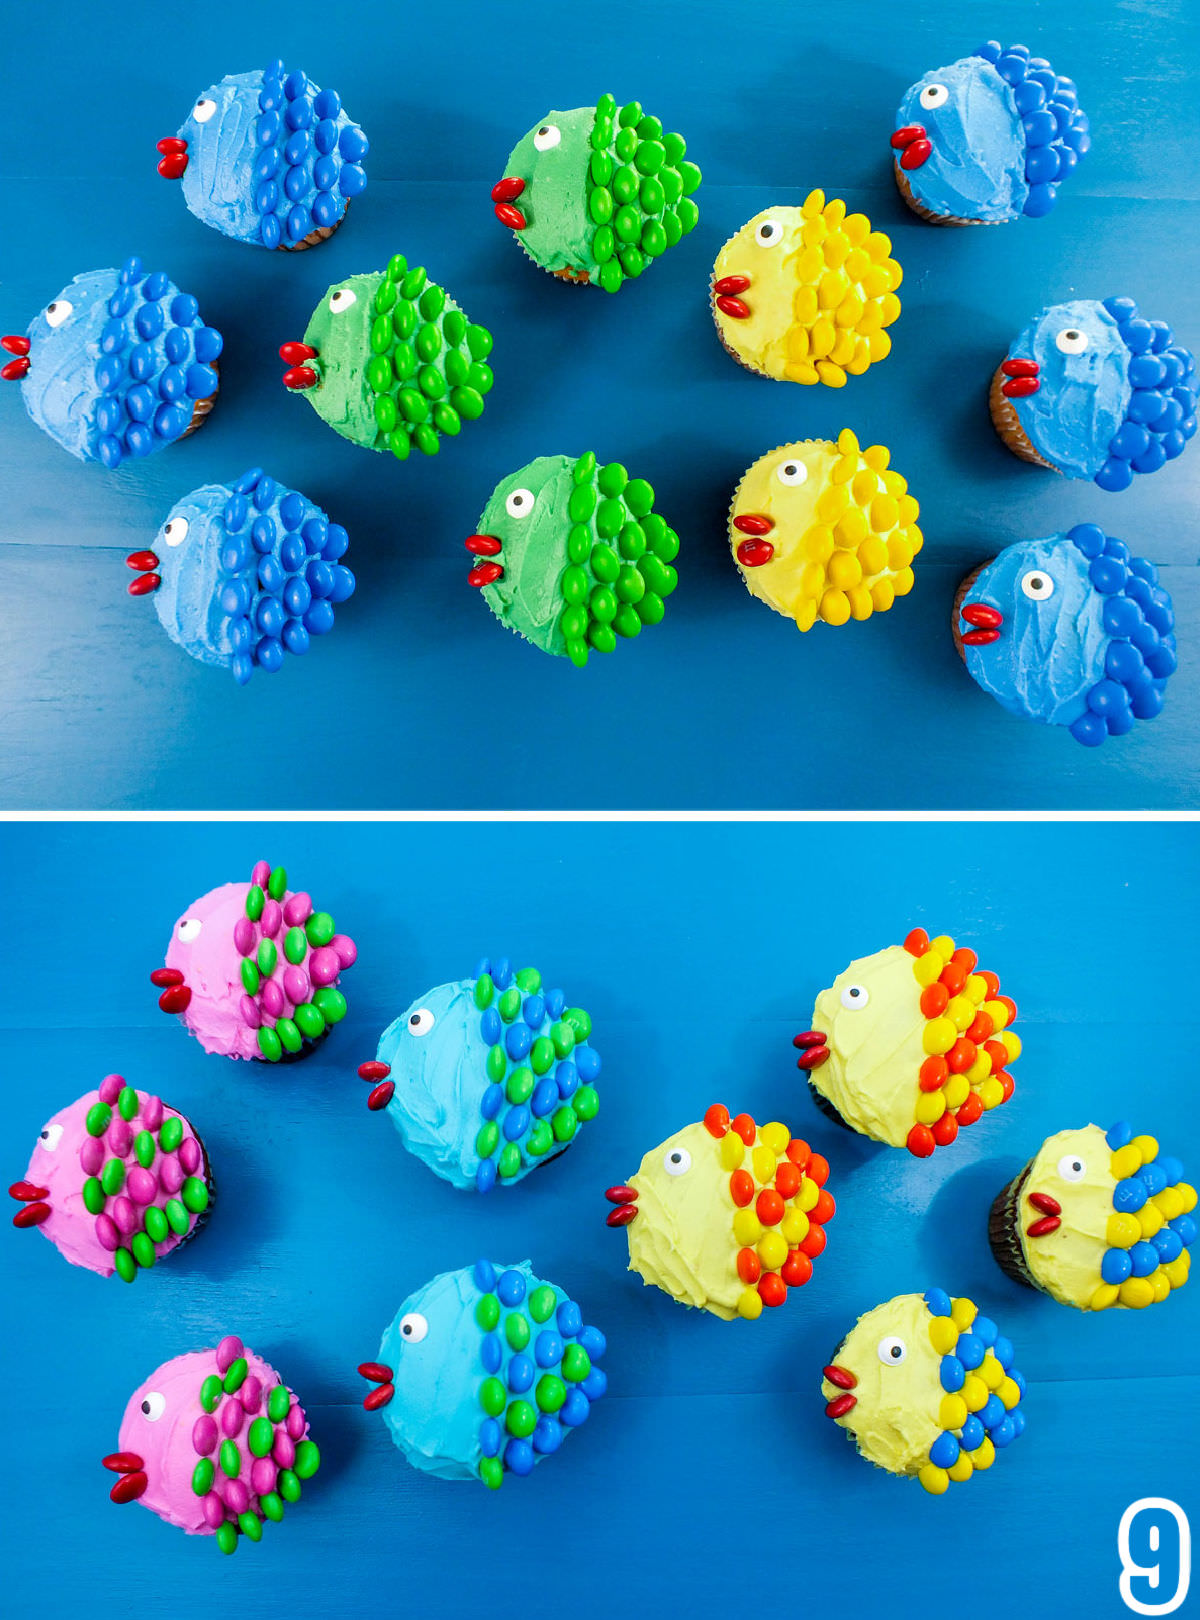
x=792 y=472
x=154 y=1406
x=413 y=1327
x=855 y=996
x=1071 y=341
x=58 y=312
x=176 y=532
x=204 y=109
x=1072 y=1167
x=677 y=1162
x=51 y=1136
x=520 y=503
x=342 y=299
x=189 y=928
x=549 y=135
x=891 y=1351
x=934 y=95
x=421 y=1021
x=1036 y=585
x=769 y=233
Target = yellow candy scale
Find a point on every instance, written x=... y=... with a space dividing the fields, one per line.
x=825 y=531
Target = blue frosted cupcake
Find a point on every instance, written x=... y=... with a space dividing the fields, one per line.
x=244 y=573
x=268 y=158
x=484 y=1372
x=118 y=365
x=488 y=1077
x=1069 y=631
x=1094 y=390
x=987 y=139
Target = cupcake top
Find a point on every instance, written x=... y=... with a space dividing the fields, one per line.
x=243 y=573
x=117 y=1180
x=267 y=157
x=595 y=194
x=1106 y=1218
x=113 y=367
x=487 y=1077
x=991 y=137
x=804 y=294
x=253 y=971
x=1071 y=631
x=215 y=1443
x=824 y=530
x=572 y=555
x=926 y=1385
x=726 y=1216
x=1101 y=392
x=483 y=1372
x=912 y=1043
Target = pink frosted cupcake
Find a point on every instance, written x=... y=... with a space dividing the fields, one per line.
x=252 y=970
x=215 y=1443
x=116 y=1181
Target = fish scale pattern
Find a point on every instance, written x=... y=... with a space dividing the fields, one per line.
x=309 y=162
x=1056 y=128
x=639 y=191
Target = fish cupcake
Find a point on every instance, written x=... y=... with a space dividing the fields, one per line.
x=805 y=294
x=116 y=1182
x=988 y=139
x=243 y=573
x=484 y=1372
x=911 y=1044
x=925 y=1386
x=597 y=194
x=1095 y=390
x=488 y=1077
x=269 y=158
x=571 y=555
x=1097 y=1219
x=725 y=1216
x=391 y=362
x=1071 y=630
x=825 y=531
x=119 y=365
x=253 y=971
x=215 y=1443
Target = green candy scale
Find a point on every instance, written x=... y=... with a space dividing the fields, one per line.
x=639 y=191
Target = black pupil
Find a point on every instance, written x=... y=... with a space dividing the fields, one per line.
x=894 y=1352
x=674 y=1158
x=1036 y=582
x=145 y=1406
x=544 y=130
x=1072 y=336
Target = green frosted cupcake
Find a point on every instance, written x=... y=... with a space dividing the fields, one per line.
x=572 y=555
x=598 y=193
x=391 y=362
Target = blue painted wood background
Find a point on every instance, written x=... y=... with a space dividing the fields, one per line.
x=419 y=699
x=708 y=1482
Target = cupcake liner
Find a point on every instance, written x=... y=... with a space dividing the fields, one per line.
x=830 y=1112
x=202 y=406
x=310 y=1045
x=319 y=234
x=960 y=597
x=1008 y=424
x=906 y=191
x=1004 y=1231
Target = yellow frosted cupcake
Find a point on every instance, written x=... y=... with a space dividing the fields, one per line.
x=824 y=530
x=805 y=294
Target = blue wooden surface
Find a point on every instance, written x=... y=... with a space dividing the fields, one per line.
x=419 y=698
x=708 y=1481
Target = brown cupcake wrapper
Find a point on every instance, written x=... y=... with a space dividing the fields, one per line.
x=960 y=597
x=319 y=234
x=905 y=189
x=202 y=407
x=830 y=1112
x=1008 y=424
x=310 y=1045
x=1004 y=1231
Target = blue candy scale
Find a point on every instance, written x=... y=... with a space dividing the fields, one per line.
x=1160 y=417
x=309 y=162
x=994 y=1421
x=1055 y=127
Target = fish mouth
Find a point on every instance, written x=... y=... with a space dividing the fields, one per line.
x=375 y=1372
x=625 y=1199
x=913 y=144
x=173 y=159
x=812 y=1048
x=376 y=1074
x=1049 y=1215
x=33 y=1200
x=756 y=549
x=504 y=197
x=13 y=370
x=487 y=571
x=145 y=562
x=726 y=292
x=299 y=374
x=841 y=1378
x=175 y=993
x=133 y=1480
x=1021 y=377
x=985 y=621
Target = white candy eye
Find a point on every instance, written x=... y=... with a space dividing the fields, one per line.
x=855 y=996
x=204 y=109
x=769 y=233
x=677 y=1162
x=520 y=503
x=1072 y=1168
x=549 y=135
x=792 y=472
x=934 y=95
x=413 y=1327
x=59 y=311
x=342 y=299
x=189 y=928
x=1037 y=585
x=51 y=1136
x=421 y=1021
x=176 y=532
x=154 y=1406
x=1071 y=341
x=891 y=1351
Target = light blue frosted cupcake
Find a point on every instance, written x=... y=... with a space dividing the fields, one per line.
x=488 y=1077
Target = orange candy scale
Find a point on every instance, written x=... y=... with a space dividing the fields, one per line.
x=745 y=1128
x=917 y=942
x=970 y=1110
x=920 y=1142
x=935 y=1071
x=770 y=1207
x=1007 y=1001
x=954 y=977
x=796 y=1269
x=817 y=1168
x=961 y=1056
x=992 y=980
x=966 y=959
x=945 y=1129
x=716 y=1120
x=981 y=1028
x=935 y=998
x=772 y=1289
x=787 y=1179
x=824 y=1208
x=798 y=1151
x=997 y=1053
x=815 y=1242
x=749 y=1267
x=1009 y=1084
x=741 y=1188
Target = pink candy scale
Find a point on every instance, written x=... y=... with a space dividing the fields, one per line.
x=214 y=1443
x=253 y=970
x=117 y=1180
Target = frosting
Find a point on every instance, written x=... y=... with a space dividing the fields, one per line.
x=911 y=1044
x=1105 y=1219
x=487 y=1077
x=926 y=1386
x=116 y=1181
x=724 y=1216
x=253 y=970
x=596 y=194
x=484 y=1372
x=267 y=157
x=214 y=1443
x=572 y=555
x=246 y=572
x=116 y=364
x=1071 y=630
x=804 y=294
x=824 y=530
